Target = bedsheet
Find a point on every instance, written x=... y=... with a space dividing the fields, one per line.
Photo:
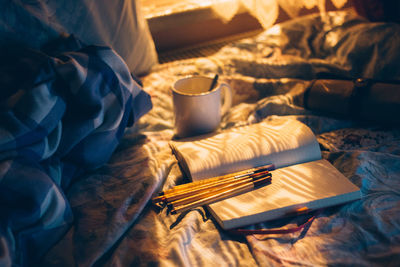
x=116 y=225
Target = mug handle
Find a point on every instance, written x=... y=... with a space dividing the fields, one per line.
x=227 y=98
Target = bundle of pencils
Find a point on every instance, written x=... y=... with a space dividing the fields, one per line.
x=191 y=195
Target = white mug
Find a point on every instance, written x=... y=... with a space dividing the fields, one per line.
x=197 y=107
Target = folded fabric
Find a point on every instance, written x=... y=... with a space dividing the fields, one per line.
x=59 y=116
x=362 y=99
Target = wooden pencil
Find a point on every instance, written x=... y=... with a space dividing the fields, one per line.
x=213 y=191
x=238 y=174
x=247 y=187
x=203 y=187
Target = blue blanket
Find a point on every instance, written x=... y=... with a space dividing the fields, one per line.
x=61 y=114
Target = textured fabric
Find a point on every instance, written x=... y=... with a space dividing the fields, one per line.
x=116 y=225
x=66 y=120
x=267 y=11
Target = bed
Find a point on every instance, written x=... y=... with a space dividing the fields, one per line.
x=114 y=223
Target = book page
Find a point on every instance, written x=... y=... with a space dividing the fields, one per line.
x=280 y=141
x=311 y=185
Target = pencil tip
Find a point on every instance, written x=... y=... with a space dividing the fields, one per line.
x=158 y=199
x=262 y=182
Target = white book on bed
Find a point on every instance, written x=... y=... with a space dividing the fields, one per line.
x=302 y=179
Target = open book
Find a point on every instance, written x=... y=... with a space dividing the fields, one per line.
x=301 y=180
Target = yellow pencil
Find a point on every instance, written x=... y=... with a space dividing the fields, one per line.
x=215 y=190
x=203 y=187
x=223 y=195
x=238 y=174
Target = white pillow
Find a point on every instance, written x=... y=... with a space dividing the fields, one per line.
x=117 y=23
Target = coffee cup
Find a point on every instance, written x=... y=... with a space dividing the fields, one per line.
x=199 y=105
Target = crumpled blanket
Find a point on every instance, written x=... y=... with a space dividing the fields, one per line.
x=60 y=116
x=116 y=225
